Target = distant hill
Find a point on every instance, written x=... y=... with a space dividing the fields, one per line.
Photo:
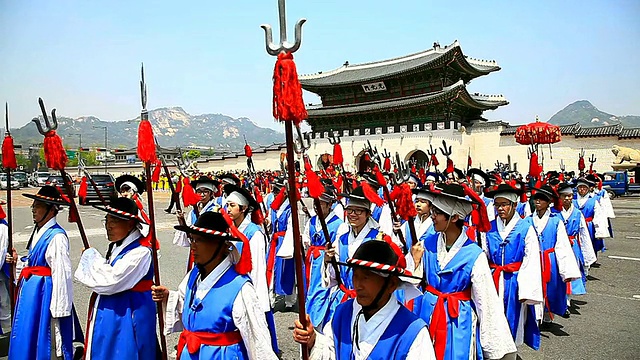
x=587 y=115
x=172 y=126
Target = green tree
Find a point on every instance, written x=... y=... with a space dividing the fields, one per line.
x=192 y=154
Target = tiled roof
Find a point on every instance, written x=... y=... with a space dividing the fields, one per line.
x=610 y=130
x=629 y=133
x=570 y=129
x=457 y=91
x=350 y=74
x=509 y=130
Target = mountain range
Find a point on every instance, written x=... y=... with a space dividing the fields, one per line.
x=587 y=115
x=173 y=126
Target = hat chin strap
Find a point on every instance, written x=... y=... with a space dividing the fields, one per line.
x=213 y=257
x=368 y=308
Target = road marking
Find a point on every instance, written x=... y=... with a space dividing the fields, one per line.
x=623 y=258
x=636 y=296
x=632 y=237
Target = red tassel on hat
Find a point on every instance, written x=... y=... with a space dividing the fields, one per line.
x=371 y=195
x=8 y=153
x=379 y=177
x=257 y=194
x=387 y=165
x=155 y=176
x=481 y=217
x=189 y=196
x=146 y=142
x=54 y=152
x=3 y=215
x=257 y=217
x=82 y=191
x=402 y=196
x=337 y=154
x=243 y=266
x=313 y=181
x=287 y=92
x=247 y=151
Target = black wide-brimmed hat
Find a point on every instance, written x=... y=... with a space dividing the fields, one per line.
x=129 y=180
x=206 y=182
x=362 y=199
x=503 y=188
x=229 y=178
x=589 y=181
x=48 y=194
x=566 y=188
x=370 y=178
x=456 y=174
x=278 y=183
x=378 y=256
x=478 y=172
x=545 y=192
x=211 y=225
x=122 y=208
x=453 y=191
x=242 y=192
x=423 y=193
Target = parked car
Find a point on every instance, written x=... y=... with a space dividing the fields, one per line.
x=21 y=177
x=57 y=181
x=3 y=182
x=618 y=183
x=106 y=186
x=38 y=178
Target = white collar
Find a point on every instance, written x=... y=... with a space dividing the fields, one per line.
x=245 y=223
x=541 y=222
x=445 y=256
x=370 y=224
x=207 y=284
x=39 y=232
x=283 y=207
x=505 y=229
x=568 y=212
x=369 y=332
x=135 y=235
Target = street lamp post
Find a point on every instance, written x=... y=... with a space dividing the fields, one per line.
x=105 y=146
x=79 y=152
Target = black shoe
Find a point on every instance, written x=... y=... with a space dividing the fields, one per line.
x=167 y=211
x=567 y=314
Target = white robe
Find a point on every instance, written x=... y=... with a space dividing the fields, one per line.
x=600 y=220
x=369 y=334
x=565 y=258
x=495 y=335
x=258 y=243
x=247 y=313
x=5 y=301
x=586 y=246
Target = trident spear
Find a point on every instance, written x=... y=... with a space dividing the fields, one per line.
x=147 y=153
x=82 y=167
x=9 y=163
x=56 y=158
x=288 y=106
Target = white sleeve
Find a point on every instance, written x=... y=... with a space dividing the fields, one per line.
x=174 y=308
x=386 y=225
x=57 y=257
x=180 y=237
x=4 y=243
x=306 y=240
x=259 y=269
x=585 y=243
x=328 y=273
x=286 y=249
x=530 y=273
x=495 y=335
x=252 y=323
x=600 y=222
x=94 y=272
x=324 y=348
x=566 y=259
x=422 y=348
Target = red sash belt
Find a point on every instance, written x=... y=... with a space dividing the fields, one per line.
x=28 y=271
x=546 y=275
x=193 y=340
x=573 y=239
x=438 y=325
x=499 y=269
x=142 y=286
x=589 y=219
x=313 y=250
x=271 y=260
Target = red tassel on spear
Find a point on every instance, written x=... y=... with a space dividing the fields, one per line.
x=9 y=163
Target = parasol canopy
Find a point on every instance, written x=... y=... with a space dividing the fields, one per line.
x=538 y=133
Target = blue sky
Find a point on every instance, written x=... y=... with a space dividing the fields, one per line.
x=83 y=57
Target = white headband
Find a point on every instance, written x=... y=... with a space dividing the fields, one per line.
x=129 y=184
x=451 y=206
x=236 y=197
x=208 y=186
x=479 y=179
x=513 y=197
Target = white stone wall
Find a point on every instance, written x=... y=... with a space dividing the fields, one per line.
x=485 y=145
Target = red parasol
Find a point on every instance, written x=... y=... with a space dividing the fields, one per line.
x=537 y=132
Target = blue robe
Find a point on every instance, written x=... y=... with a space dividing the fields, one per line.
x=454 y=277
x=588 y=209
x=125 y=323
x=556 y=289
x=507 y=251
x=318 y=299
x=284 y=269
x=578 y=286
x=31 y=331
x=213 y=314
x=394 y=343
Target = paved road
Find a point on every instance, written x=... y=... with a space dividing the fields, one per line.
x=604 y=325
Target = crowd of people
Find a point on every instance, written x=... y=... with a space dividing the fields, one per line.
x=473 y=265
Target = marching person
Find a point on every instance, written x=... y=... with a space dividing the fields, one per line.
x=457 y=276
x=514 y=256
x=132 y=187
x=559 y=265
x=216 y=308
x=579 y=238
x=205 y=188
x=479 y=180
x=374 y=325
x=5 y=268
x=422 y=222
x=242 y=208
x=318 y=299
x=120 y=280
x=594 y=214
x=43 y=327
x=380 y=213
